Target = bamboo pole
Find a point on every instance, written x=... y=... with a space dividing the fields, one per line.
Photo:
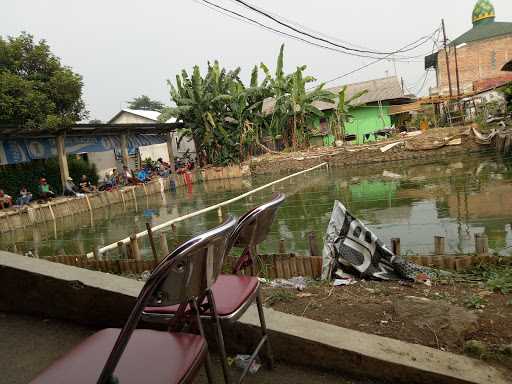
x=122 y=198
x=481 y=244
x=135 y=199
x=439 y=245
x=134 y=247
x=152 y=242
x=395 y=246
x=313 y=246
x=51 y=211
x=164 y=246
x=282 y=246
x=123 y=254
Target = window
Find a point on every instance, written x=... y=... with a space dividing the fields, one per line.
x=493 y=60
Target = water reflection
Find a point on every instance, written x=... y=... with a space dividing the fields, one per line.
x=414 y=201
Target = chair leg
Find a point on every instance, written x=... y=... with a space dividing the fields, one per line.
x=207 y=361
x=208 y=368
x=263 y=325
x=220 y=338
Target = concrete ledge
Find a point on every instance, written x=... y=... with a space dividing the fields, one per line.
x=42 y=288
x=312 y=343
x=38 y=287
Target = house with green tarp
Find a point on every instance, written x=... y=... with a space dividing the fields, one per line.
x=371 y=117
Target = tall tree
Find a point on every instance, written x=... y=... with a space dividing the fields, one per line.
x=36 y=90
x=146 y=104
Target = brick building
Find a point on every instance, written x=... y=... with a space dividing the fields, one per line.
x=482 y=54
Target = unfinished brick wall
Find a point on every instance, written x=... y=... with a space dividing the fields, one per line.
x=479 y=60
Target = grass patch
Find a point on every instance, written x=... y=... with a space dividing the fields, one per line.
x=475 y=302
x=497 y=278
x=279 y=296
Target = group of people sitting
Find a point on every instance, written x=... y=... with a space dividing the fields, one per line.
x=45 y=192
x=85 y=186
x=112 y=181
x=25 y=196
x=139 y=176
x=6 y=201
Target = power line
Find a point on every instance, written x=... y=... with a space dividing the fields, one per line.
x=422 y=40
x=240 y=17
x=275 y=19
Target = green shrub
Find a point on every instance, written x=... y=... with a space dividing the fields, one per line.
x=13 y=177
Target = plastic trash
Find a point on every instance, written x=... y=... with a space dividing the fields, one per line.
x=343 y=278
x=144 y=276
x=298 y=283
x=241 y=362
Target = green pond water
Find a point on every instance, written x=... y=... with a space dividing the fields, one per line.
x=415 y=201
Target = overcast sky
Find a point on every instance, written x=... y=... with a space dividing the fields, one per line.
x=127 y=48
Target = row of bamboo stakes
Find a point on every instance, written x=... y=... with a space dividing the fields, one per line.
x=282 y=265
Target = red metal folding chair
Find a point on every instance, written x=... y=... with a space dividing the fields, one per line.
x=146 y=356
x=233 y=294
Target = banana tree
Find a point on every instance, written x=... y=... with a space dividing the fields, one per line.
x=301 y=106
x=294 y=105
x=201 y=104
x=245 y=112
x=279 y=84
x=342 y=112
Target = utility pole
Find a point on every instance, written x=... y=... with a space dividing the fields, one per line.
x=447 y=59
x=457 y=71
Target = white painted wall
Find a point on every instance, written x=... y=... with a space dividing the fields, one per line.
x=160 y=150
x=105 y=162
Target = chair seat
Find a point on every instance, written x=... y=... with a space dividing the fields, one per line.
x=230 y=293
x=150 y=357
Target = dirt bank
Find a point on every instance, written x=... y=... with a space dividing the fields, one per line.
x=456 y=315
x=368 y=154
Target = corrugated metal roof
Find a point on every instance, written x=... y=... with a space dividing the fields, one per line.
x=484 y=31
x=385 y=89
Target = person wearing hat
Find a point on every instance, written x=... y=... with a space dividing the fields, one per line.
x=45 y=191
x=70 y=188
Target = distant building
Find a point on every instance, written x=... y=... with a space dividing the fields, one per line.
x=482 y=55
x=133 y=116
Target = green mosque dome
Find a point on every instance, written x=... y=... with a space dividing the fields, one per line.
x=484 y=10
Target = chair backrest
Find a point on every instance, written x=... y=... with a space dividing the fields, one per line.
x=253 y=227
x=182 y=276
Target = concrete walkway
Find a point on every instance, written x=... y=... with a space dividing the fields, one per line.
x=28 y=345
